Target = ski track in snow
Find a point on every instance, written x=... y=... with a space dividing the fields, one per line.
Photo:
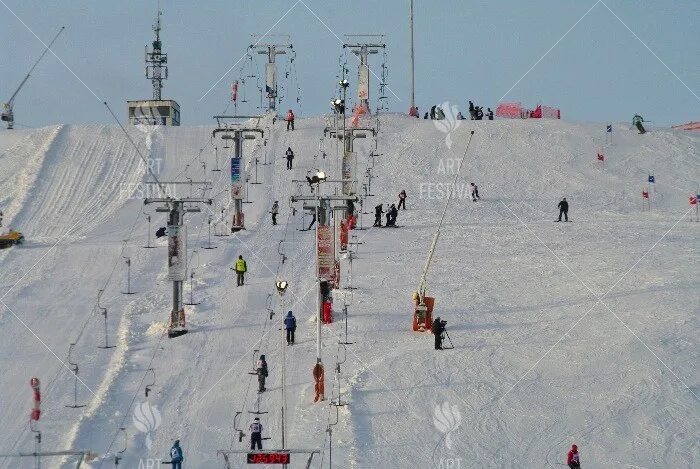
x=506 y=297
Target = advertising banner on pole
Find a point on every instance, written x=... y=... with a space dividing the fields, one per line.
x=363 y=82
x=271 y=80
x=177 y=253
x=237 y=185
x=325 y=253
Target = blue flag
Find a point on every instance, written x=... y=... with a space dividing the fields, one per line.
x=609 y=128
x=651 y=178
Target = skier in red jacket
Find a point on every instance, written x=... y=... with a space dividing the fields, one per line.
x=572 y=458
x=290 y=119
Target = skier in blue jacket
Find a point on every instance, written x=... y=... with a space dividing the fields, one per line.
x=176 y=455
x=290 y=324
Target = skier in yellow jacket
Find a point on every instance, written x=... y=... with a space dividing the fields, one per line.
x=241 y=268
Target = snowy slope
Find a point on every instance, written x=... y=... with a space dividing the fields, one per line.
x=538 y=362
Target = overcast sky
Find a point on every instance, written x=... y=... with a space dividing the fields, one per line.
x=465 y=49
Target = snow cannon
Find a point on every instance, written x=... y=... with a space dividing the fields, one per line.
x=11 y=238
x=423 y=313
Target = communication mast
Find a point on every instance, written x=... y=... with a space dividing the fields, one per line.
x=272 y=50
x=362 y=45
x=156 y=62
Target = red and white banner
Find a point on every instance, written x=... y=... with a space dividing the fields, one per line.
x=36 y=408
x=234 y=91
x=325 y=258
x=509 y=110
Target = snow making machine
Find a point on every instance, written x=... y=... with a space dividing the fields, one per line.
x=11 y=238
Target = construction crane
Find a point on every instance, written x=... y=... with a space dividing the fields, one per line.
x=7 y=108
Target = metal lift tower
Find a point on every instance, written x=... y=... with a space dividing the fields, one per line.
x=272 y=50
x=362 y=45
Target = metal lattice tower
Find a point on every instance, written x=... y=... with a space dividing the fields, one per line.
x=156 y=62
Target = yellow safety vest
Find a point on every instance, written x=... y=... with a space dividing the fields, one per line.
x=240 y=265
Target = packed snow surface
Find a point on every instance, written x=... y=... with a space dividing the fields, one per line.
x=583 y=332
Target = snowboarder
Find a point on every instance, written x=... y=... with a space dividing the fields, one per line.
x=241 y=269
x=290 y=325
x=426 y=115
x=275 y=210
x=256 y=429
x=460 y=117
x=176 y=456
x=432 y=113
x=563 y=209
x=438 y=327
x=489 y=113
x=290 y=120
x=289 y=154
x=572 y=459
x=261 y=370
x=479 y=113
x=475 y=192
x=402 y=199
x=378 y=211
x=472 y=111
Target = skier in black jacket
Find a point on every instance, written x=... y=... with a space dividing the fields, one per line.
x=563 y=209
x=378 y=211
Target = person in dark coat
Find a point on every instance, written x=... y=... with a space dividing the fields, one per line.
x=176 y=456
x=426 y=115
x=432 y=112
x=290 y=325
x=391 y=215
x=472 y=111
x=479 y=113
x=289 y=154
x=378 y=211
x=256 y=429
x=489 y=113
x=563 y=209
x=275 y=210
x=261 y=370
x=437 y=331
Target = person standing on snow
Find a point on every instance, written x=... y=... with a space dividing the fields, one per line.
x=479 y=113
x=176 y=456
x=319 y=386
x=472 y=111
x=256 y=429
x=290 y=325
x=275 y=210
x=289 y=154
x=572 y=459
x=475 y=192
x=261 y=370
x=489 y=113
x=563 y=209
x=378 y=211
x=437 y=331
x=432 y=113
x=290 y=120
x=241 y=269
x=402 y=199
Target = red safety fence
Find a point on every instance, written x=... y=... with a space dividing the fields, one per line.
x=688 y=126
x=515 y=110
